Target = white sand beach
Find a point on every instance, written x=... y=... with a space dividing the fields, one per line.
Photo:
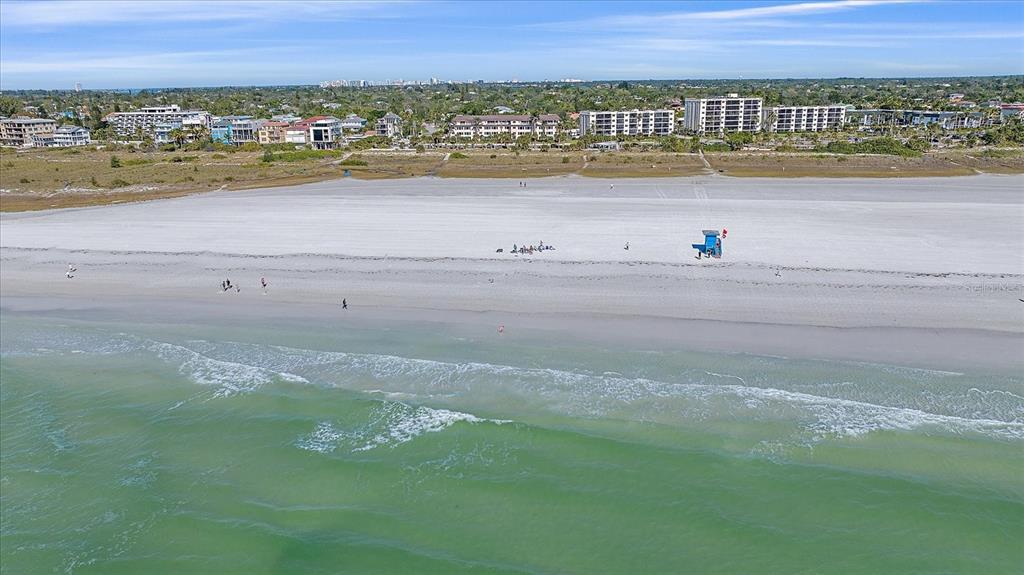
x=853 y=254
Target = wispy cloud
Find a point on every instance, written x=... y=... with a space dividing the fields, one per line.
x=801 y=8
x=87 y=12
x=759 y=16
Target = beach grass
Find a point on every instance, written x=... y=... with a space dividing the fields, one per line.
x=77 y=177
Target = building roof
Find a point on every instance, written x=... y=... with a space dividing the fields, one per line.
x=274 y=124
x=70 y=129
x=492 y=118
x=549 y=118
x=26 y=120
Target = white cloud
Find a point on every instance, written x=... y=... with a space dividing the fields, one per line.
x=62 y=13
x=759 y=16
x=790 y=9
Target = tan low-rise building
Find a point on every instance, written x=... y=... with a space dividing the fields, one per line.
x=273 y=132
x=19 y=132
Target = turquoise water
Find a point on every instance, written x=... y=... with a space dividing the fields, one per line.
x=197 y=449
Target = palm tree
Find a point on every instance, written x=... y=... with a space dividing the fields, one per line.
x=178 y=136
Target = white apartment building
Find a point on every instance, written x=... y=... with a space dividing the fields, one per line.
x=729 y=113
x=389 y=125
x=147 y=119
x=489 y=126
x=627 y=123
x=67 y=136
x=19 y=131
x=547 y=125
x=803 y=118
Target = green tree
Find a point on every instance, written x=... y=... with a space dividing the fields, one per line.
x=9 y=106
x=115 y=162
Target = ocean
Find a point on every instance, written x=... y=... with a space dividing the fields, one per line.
x=192 y=447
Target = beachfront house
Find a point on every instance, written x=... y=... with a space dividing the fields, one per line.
x=297 y=134
x=235 y=130
x=353 y=123
x=389 y=125
x=324 y=132
x=68 y=136
x=271 y=132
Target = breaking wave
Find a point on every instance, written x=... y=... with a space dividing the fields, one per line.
x=390 y=424
x=819 y=410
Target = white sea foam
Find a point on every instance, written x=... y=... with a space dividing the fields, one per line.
x=323 y=439
x=390 y=424
x=818 y=410
x=228 y=377
x=586 y=394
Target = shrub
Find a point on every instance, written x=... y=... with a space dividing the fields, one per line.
x=420 y=149
x=354 y=161
x=886 y=146
x=25 y=180
x=119 y=183
x=299 y=155
x=458 y=156
x=115 y=162
x=268 y=156
x=565 y=159
x=94 y=183
x=218 y=156
x=177 y=159
x=229 y=178
x=717 y=147
x=494 y=156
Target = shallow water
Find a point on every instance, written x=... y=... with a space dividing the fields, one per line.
x=189 y=448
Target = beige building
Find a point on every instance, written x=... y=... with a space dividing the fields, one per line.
x=273 y=132
x=19 y=132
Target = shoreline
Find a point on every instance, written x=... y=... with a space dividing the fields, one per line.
x=914 y=348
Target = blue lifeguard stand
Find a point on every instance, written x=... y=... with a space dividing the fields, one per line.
x=712 y=246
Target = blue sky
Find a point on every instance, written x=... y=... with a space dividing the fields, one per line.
x=120 y=44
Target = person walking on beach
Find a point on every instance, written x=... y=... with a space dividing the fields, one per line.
x=263 y=282
x=344 y=303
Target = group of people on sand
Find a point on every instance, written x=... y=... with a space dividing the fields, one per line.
x=227 y=286
x=71 y=271
x=524 y=249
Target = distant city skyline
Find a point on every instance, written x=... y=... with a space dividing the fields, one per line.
x=49 y=44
